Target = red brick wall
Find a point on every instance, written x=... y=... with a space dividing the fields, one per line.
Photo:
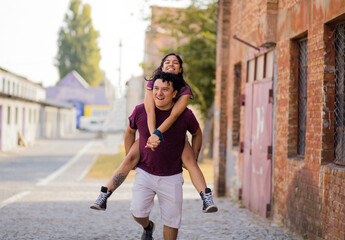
x=297 y=193
x=333 y=199
x=220 y=106
x=308 y=193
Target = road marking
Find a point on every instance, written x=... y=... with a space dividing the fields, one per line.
x=14 y=198
x=55 y=174
x=87 y=169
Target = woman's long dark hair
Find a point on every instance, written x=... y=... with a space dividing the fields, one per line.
x=159 y=70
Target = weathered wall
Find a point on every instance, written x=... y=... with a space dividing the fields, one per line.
x=308 y=193
x=220 y=126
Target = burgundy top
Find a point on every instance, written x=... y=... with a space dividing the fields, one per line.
x=185 y=90
x=166 y=159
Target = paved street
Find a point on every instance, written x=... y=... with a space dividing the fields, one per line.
x=43 y=196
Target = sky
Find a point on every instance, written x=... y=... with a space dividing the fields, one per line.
x=29 y=34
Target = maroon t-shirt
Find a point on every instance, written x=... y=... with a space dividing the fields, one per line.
x=185 y=90
x=166 y=159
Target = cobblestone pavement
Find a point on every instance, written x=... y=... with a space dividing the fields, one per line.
x=59 y=209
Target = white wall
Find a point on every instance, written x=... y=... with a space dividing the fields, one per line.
x=23 y=113
x=135 y=93
x=15 y=85
x=22 y=118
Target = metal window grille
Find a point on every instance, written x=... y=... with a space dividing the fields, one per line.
x=339 y=106
x=302 y=94
x=236 y=106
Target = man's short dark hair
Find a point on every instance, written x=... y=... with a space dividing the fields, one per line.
x=176 y=81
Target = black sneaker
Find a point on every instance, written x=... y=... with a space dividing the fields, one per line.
x=147 y=234
x=208 y=204
x=101 y=202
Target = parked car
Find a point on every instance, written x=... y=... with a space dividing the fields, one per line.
x=92 y=124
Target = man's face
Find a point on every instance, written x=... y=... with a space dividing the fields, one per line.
x=163 y=94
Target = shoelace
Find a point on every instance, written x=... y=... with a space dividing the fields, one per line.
x=101 y=198
x=208 y=198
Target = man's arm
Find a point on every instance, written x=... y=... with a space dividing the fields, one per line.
x=196 y=142
x=129 y=138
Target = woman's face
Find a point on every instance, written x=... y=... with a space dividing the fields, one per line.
x=171 y=65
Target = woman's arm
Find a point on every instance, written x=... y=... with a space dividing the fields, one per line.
x=150 y=110
x=177 y=110
x=149 y=104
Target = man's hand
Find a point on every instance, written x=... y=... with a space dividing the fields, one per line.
x=153 y=142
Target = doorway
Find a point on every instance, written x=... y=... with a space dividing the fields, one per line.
x=258 y=126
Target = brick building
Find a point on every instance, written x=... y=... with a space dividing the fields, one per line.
x=157 y=39
x=279 y=111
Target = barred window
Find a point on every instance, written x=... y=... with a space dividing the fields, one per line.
x=302 y=94
x=339 y=106
x=236 y=112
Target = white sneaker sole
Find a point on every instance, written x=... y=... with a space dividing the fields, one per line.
x=211 y=209
x=96 y=207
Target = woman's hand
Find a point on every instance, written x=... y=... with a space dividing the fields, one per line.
x=153 y=142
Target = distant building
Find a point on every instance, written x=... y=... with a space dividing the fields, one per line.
x=157 y=39
x=26 y=115
x=118 y=118
x=92 y=103
x=135 y=92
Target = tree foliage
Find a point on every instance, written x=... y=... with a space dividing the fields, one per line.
x=78 y=48
x=197 y=25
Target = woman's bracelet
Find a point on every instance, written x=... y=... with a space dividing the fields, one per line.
x=159 y=134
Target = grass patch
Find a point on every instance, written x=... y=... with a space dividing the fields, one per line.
x=206 y=168
x=105 y=165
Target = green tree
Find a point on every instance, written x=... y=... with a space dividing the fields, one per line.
x=78 y=48
x=197 y=25
x=195 y=31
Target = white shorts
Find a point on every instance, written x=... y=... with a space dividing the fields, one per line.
x=169 y=193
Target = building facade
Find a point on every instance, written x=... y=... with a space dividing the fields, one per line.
x=26 y=115
x=135 y=93
x=157 y=39
x=279 y=140
x=92 y=103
